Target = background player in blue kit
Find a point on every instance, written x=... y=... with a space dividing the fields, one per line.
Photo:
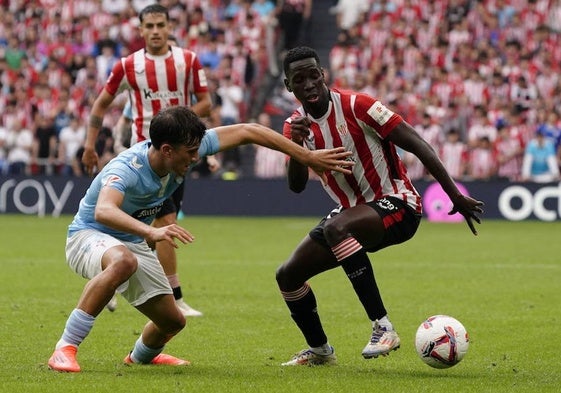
x=109 y=241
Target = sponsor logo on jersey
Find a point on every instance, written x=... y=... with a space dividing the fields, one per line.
x=385 y=204
x=161 y=95
x=150 y=212
x=380 y=113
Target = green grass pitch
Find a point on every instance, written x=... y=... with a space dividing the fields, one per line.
x=503 y=285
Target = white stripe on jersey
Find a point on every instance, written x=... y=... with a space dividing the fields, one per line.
x=358 y=123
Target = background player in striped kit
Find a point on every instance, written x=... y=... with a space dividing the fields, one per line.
x=156 y=76
x=378 y=205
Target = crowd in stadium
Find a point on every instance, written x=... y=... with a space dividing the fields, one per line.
x=479 y=79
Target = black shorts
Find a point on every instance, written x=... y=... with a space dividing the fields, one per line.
x=400 y=220
x=173 y=203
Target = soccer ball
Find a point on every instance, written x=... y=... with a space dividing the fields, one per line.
x=441 y=341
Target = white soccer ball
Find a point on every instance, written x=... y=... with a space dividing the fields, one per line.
x=441 y=341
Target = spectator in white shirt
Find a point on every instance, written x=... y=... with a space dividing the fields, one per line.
x=71 y=138
x=19 y=144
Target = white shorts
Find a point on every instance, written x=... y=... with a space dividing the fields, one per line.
x=85 y=249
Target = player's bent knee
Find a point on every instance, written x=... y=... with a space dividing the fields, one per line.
x=281 y=276
x=121 y=261
x=335 y=232
x=128 y=265
x=286 y=279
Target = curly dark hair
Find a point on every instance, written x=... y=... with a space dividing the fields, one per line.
x=299 y=53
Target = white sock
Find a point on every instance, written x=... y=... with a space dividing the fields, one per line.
x=325 y=349
x=78 y=326
x=384 y=322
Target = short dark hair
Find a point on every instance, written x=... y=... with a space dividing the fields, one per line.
x=153 y=9
x=176 y=125
x=299 y=53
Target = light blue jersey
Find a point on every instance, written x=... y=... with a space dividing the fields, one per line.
x=540 y=156
x=144 y=191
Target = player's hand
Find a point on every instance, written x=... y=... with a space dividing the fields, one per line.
x=300 y=129
x=90 y=160
x=213 y=164
x=468 y=207
x=170 y=233
x=325 y=160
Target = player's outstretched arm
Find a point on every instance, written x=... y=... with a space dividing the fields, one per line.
x=405 y=136
x=319 y=160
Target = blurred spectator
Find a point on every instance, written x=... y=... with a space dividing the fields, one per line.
x=540 y=161
x=139 y=5
x=415 y=168
x=14 y=53
x=43 y=153
x=264 y=9
x=268 y=164
x=523 y=94
x=431 y=131
x=3 y=142
x=481 y=126
x=114 y=6
x=231 y=96
x=454 y=154
x=550 y=127
x=508 y=150
x=349 y=13
x=104 y=147
x=294 y=21
x=554 y=16
x=445 y=58
x=209 y=54
x=198 y=27
x=106 y=59
x=19 y=143
x=481 y=160
x=70 y=139
x=433 y=134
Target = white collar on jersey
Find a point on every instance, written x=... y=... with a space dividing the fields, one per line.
x=157 y=57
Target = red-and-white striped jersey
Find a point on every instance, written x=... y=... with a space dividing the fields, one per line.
x=156 y=82
x=360 y=123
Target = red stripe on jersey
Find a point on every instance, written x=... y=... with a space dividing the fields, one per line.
x=115 y=78
x=189 y=72
x=171 y=79
x=362 y=148
x=320 y=144
x=131 y=79
x=394 y=165
x=361 y=124
x=152 y=83
x=128 y=64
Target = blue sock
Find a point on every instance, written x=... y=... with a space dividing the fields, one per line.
x=78 y=326
x=143 y=354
